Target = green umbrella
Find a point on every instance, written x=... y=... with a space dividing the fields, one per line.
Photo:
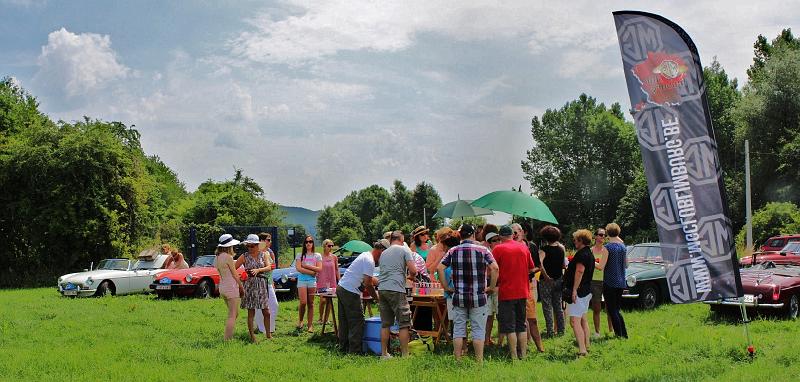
x=459 y=209
x=516 y=203
x=357 y=246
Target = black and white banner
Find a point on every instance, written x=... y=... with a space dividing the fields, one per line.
x=673 y=126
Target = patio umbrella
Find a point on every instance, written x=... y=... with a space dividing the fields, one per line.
x=516 y=203
x=459 y=209
x=357 y=246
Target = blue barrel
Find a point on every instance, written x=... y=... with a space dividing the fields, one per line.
x=372 y=335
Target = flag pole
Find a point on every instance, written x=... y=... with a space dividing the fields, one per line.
x=749 y=217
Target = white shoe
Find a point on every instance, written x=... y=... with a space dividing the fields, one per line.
x=387 y=356
x=596 y=335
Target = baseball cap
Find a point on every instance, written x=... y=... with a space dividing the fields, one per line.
x=466 y=230
x=506 y=230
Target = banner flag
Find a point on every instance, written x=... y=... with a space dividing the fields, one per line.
x=684 y=178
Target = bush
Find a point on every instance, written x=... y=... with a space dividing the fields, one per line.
x=771 y=220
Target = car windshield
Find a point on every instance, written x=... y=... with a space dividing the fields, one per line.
x=205 y=261
x=114 y=264
x=645 y=254
x=776 y=243
x=145 y=265
x=793 y=246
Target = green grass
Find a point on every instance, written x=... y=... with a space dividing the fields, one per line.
x=46 y=337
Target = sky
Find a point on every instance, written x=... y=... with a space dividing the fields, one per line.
x=315 y=99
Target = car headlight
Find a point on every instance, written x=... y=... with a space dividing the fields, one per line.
x=284 y=279
x=89 y=281
x=188 y=278
x=631 y=281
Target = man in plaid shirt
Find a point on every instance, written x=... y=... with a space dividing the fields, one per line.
x=470 y=262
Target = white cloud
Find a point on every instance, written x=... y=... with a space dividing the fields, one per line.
x=78 y=63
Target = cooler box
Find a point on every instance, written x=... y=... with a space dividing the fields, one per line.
x=372 y=335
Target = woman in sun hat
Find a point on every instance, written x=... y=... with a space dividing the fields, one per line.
x=230 y=285
x=419 y=241
x=256 y=294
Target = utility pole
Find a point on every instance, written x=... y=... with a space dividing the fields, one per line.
x=424 y=218
x=748 y=206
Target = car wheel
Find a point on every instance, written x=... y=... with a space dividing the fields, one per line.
x=105 y=289
x=204 y=289
x=792 y=308
x=648 y=297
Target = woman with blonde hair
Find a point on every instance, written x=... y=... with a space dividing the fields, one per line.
x=308 y=263
x=230 y=285
x=328 y=278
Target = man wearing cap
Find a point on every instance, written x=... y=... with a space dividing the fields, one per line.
x=515 y=263
x=470 y=263
x=396 y=265
x=358 y=276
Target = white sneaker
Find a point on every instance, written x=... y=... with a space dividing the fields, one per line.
x=596 y=335
x=387 y=356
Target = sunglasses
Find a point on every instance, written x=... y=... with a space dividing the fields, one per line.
x=493 y=241
x=329 y=245
x=309 y=241
x=600 y=234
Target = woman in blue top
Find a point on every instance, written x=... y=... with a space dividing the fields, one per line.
x=613 y=267
x=308 y=264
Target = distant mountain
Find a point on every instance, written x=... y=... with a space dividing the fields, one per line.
x=303 y=216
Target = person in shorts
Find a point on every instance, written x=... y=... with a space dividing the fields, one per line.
x=491 y=240
x=515 y=264
x=599 y=252
x=396 y=265
x=470 y=262
x=578 y=280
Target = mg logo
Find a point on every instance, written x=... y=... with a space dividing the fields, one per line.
x=701 y=160
x=637 y=36
x=715 y=236
x=647 y=122
x=664 y=209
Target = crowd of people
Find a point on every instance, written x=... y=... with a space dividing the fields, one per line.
x=487 y=272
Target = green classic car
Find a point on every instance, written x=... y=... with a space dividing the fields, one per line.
x=646 y=276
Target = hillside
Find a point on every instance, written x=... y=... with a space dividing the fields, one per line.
x=299 y=215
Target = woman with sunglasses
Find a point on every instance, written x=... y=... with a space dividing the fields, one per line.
x=600 y=252
x=256 y=294
x=308 y=264
x=264 y=245
x=328 y=278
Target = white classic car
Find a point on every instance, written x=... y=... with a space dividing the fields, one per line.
x=114 y=276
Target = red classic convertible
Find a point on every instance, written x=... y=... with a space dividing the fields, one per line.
x=201 y=280
x=788 y=254
x=768 y=287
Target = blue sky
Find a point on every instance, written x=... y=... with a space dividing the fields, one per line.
x=315 y=99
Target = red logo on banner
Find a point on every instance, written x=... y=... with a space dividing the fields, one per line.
x=661 y=75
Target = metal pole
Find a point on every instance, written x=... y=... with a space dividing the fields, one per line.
x=749 y=238
x=748 y=206
x=424 y=218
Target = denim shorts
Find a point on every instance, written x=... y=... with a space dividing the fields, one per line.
x=307 y=284
x=477 y=319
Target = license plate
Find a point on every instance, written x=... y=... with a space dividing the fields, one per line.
x=70 y=293
x=163 y=287
x=749 y=298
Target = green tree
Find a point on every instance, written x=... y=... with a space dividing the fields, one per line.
x=771 y=220
x=768 y=115
x=425 y=198
x=584 y=156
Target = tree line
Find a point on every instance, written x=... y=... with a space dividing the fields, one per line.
x=75 y=193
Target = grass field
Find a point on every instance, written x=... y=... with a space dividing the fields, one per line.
x=139 y=338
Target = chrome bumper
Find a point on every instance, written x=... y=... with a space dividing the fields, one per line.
x=753 y=304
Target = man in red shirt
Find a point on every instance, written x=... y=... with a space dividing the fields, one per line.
x=515 y=263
